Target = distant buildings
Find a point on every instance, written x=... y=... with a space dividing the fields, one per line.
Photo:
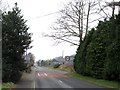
x=57 y=60
x=29 y=60
x=65 y=60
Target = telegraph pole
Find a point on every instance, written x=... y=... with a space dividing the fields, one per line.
x=113 y=5
x=62 y=53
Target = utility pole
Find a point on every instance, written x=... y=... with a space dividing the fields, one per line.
x=113 y=5
x=0 y=47
x=62 y=53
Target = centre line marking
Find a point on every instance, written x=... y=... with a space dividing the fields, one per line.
x=38 y=74
x=34 y=85
x=60 y=81
x=45 y=74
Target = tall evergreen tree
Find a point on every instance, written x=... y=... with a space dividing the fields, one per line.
x=80 y=57
x=112 y=64
x=98 y=54
x=16 y=40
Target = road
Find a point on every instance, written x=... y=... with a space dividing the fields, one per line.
x=48 y=78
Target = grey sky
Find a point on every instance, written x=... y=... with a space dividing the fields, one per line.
x=32 y=9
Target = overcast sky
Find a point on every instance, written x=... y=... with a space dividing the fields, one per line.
x=43 y=48
x=32 y=10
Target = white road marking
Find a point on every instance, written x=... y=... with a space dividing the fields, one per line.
x=34 y=85
x=60 y=81
x=64 y=85
x=34 y=80
x=45 y=74
x=38 y=74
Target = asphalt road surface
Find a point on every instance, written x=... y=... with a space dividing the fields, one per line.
x=48 y=78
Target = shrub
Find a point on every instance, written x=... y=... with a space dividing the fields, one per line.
x=57 y=65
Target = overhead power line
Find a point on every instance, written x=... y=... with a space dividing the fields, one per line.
x=44 y=15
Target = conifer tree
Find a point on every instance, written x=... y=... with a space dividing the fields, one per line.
x=16 y=40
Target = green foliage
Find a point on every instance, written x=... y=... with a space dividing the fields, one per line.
x=80 y=59
x=101 y=82
x=98 y=54
x=6 y=86
x=112 y=62
x=57 y=65
x=16 y=40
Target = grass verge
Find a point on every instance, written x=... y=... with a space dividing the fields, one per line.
x=101 y=82
x=0 y=86
x=4 y=86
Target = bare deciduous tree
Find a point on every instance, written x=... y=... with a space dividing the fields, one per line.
x=76 y=19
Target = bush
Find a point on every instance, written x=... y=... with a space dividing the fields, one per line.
x=15 y=76
x=6 y=86
x=57 y=65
